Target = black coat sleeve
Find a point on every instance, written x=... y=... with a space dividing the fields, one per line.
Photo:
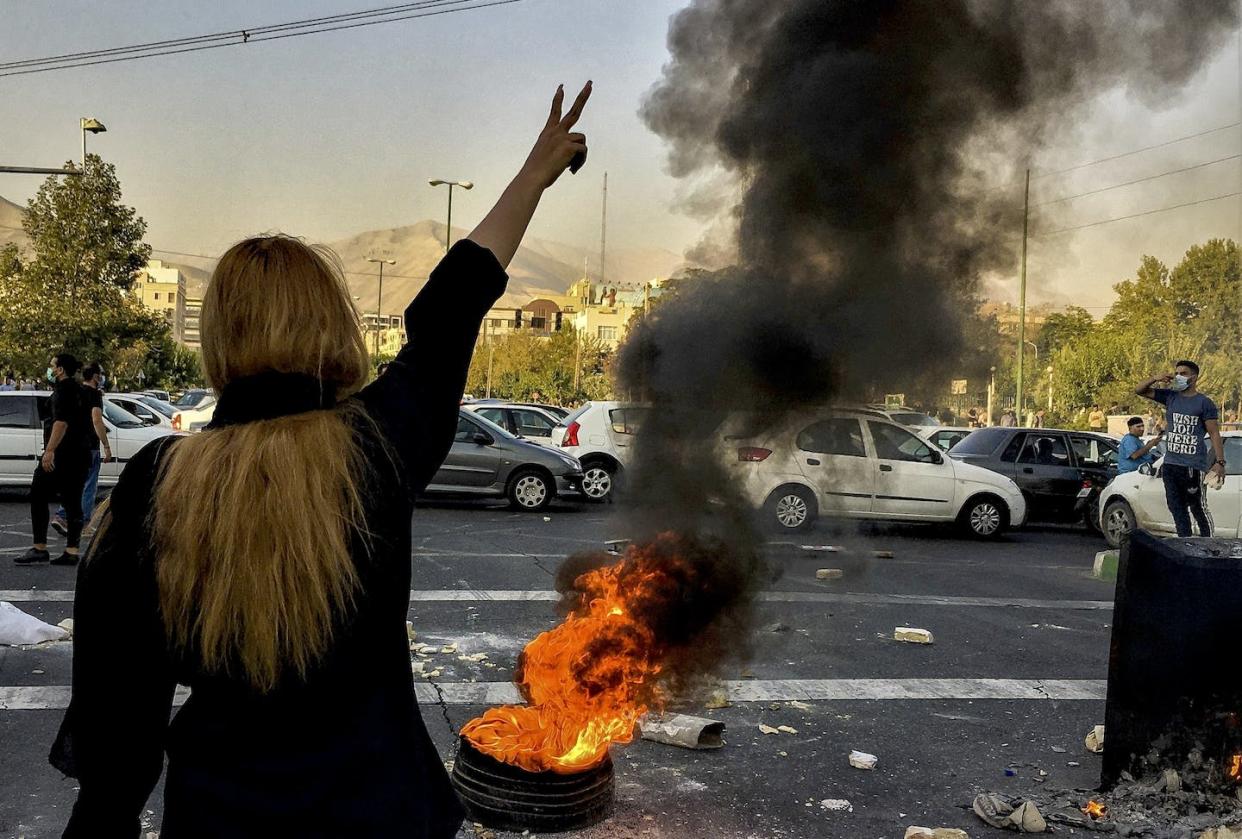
x=415 y=402
x=112 y=737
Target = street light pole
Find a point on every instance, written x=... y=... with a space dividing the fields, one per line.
x=1026 y=215
x=92 y=125
x=448 y=227
x=379 y=302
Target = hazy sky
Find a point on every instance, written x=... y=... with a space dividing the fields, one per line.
x=328 y=135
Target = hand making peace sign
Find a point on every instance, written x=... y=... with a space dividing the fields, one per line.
x=557 y=145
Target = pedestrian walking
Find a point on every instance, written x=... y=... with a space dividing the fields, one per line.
x=1096 y=420
x=62 y=470
x=265 y=562
x=1191 y=419
x=92 y=375
x=1132 y=452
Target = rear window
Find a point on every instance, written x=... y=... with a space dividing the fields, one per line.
x=627 y=420
x=17 y=412
x=577 y=412
x=983 y=441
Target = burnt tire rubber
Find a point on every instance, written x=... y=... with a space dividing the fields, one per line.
x=791 y=509
x=530 y=491
x=599 y=481
x=984 y=517
x=1119 y=522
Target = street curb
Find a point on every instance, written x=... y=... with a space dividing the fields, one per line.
x=1105 y=567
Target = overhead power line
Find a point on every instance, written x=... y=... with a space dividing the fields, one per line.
x=1137 y=180
x=1135 y=151
x=1135 y=215
x=237 y=37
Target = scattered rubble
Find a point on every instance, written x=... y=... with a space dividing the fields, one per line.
x=683 y=730
x=409 y=632
x=882 y=554
x=449 y=648
x=717 y=698
x=913 y=635
x=1016 y=814
x=829 y=574
x=838 y=804
x=787 y=729
x=914 y=832
x=776 y=626
x=767 y=729
x=832 y=549
x=1095 y=739
x=862 y=760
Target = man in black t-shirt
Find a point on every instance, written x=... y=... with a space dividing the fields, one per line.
x=92 y=403
x=65 y=463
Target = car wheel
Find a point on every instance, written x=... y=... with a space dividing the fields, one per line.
x=791 y=509
x=530 y=491
x=984 y=517
x=1118 y=522
x=598 y=481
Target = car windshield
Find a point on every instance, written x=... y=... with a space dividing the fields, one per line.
x=190 y=398
x=983 y=441
x=119 y=417
x=491 y=427
x=913 y=418
x=159 y=406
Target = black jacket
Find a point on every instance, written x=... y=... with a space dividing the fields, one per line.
x=343 y=753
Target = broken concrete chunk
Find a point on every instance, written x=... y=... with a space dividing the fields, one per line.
x=1028 y=819
x=1095 y=739
x=913 y=832
x=1222 y=832
x=449 y=648
x=993 y=809
x=683 y=730
x=862 y=760
x=788 y=729
x=912 y=635
x=836 y=804
x=767 y=729
x=829 y=574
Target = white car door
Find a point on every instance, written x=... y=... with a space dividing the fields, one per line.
x=21 y=439
x=913 y=481
x=832 y=454
x=1225 y=504
x=1150 y=510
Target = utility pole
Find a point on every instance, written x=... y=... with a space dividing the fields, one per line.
x=379 y=302
x=603 y=231
x=1026 y=216
x=577 y=359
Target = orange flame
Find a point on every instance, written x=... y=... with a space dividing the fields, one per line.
x=1235 y=767
x=589 y=679
x=1096 y=809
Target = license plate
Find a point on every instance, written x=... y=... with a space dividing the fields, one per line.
x=1084 y=492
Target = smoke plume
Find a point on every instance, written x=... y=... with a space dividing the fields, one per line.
x=862 y=139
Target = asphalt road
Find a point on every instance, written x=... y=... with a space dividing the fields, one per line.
x=1017 y=668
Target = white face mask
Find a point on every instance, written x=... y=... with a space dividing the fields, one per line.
x=1179 y=382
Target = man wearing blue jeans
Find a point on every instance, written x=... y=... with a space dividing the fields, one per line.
x=93 y=400
x=1190 y=419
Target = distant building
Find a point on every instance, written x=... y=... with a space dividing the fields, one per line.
x=600 y=311
x=1007 y=317
x=191 y=335
x=391 y=329
x=161 y=288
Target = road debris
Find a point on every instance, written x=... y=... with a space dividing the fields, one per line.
x=717 y=698
x=776 y=626
x=829 y=574
x=836 y=804
x=67 y=625
x=862 y=760
x=787 y=729
x=409 y=632
x=17 y=627
x=832 y=549
x=914 y=832
x=1019 y=815
x=913 y=635
x=767 y=729
x=616 y=546
x=683 y=730
x=882 y=554
x=449 y=648
x=1059 y=749
x=1095 y=739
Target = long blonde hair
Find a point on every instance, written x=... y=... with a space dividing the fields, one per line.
x=253 y=522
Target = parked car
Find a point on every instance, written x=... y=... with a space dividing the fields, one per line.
x=860 y=466
x=944 y=436
x=1136 y=499
x=601 y=435
x=195 y=417
x=535 y=424
x=138 y=405
x=22 y=415
x=486 y=460
x=193 y=399
x=556 y=410
x=909 y=417
x=1060 y=473
x=162 y=395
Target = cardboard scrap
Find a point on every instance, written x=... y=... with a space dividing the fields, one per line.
x=913 y=635
x=1095 y=739
x=862 y=760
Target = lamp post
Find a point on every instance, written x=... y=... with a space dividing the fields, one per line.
x=991 y=392
x=379 y=301
x=448 y=227
x=92 y=125
x=1050 y=388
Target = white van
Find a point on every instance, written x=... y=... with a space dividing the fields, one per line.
x=22 y=413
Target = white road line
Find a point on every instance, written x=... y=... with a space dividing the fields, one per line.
x=56 y=697
x=518 y=595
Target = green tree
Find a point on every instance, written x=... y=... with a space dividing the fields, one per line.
x=522 y=363
x=73 y=291
x=1061 y=328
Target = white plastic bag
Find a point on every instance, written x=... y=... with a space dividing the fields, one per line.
x=17 y=627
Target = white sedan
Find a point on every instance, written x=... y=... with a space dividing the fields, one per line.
x=857 y=465
x=1136 y=499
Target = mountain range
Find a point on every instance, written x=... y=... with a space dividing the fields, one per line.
x=540 y=266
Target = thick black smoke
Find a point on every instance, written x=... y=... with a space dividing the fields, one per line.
x=863 y=139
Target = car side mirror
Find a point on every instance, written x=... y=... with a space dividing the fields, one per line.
x=937 y=457
x=1146 y=469
x=481 y=439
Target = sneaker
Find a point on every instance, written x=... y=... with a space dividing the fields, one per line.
x=32 y=556
x=60 y=526
x=66 y=559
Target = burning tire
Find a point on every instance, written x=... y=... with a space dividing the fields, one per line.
x=791 y=509
x=505 y=797
x=1118 y=522
x=984 y=517
x=530 y=491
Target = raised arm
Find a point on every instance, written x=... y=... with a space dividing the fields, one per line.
x=1147 y=388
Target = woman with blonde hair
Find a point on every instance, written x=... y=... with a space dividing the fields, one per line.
x=265 y=562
